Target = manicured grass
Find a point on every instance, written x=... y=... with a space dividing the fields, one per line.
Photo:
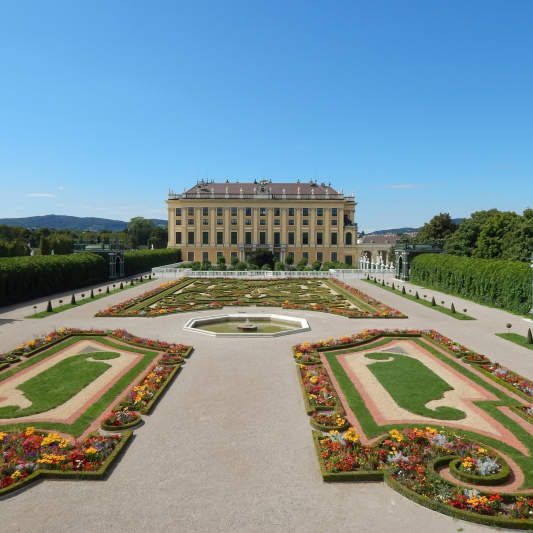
x=517 y=339
x=440 y=308
x=88 y=299
x=372 y=429
x=350 y=297
x=94 y=411
x=58 y=384
x=412 y=384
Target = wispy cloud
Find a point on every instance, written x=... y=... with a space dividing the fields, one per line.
x=61 y=188
x=487 y=195
x=42 y=195
x=409 y=186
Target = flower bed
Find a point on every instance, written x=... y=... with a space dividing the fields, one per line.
x=120 y=420
x=319 y=393
x=144 y=395
x=327 y=421
x=513 y=381
x=30 y=454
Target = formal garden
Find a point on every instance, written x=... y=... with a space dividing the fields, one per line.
x=190 y=294
x=439 y=423
x=70 y=384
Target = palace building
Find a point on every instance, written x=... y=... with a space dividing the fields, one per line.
x=233 y=219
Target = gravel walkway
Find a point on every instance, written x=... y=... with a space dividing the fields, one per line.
x=229 y=447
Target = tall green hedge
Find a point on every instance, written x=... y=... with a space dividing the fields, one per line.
x=25 y=278
x=144 y=260
x=503 y=284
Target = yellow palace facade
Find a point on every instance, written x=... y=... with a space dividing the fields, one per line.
x=233 y=219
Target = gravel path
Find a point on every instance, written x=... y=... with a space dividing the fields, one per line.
x=229 y=447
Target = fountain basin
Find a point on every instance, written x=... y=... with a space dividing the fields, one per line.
x=227 y=325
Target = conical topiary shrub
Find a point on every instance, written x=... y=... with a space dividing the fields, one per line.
x=141 y=279
x=92 y=293
x=131 y=282
x=416 y=296
x=73 y=300
x=107 y=290
x=49 y=307
x=393 y=287
x=403 y=289
x=529 y=339
x=433 y=301
x=383 y=282
x=149 y=276
x=452 y=308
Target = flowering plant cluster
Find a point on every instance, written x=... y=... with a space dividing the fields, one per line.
x=318 y=388
x=514 y=379
x=139 y=397
x=405 y=455
x=120 y=418
x=329 y=419
x=26 y=451
x=389 y=312
x=8 y=357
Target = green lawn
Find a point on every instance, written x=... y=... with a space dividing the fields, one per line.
x=517 y=339
x=421 y=301
x=412 y=384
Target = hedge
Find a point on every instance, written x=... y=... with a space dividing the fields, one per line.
x=139 y=261
x=25 y=278
x=494 y=282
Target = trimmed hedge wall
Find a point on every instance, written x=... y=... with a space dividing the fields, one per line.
x=494 y=282
x=139 y=261
x=25 y=278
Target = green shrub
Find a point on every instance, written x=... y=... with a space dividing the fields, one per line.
x=144 y=260
x=25 y=278
x=494 y=282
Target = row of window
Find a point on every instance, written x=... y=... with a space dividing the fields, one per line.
x=319 y=256
x=248 y=222
x=262 y=211
x=262 y=238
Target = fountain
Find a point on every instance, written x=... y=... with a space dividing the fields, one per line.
x=247 y=326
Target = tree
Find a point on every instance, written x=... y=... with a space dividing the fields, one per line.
x=158 y=237
x=437 y=229
x=140 y=228
x=234 y=260
x=316 y=265
x=240 y=265
x=302 y=263
x=518 y=245
x=289 y=260
x=493 y=232
x=279 y=266
x=261 y=257
x=61 y=244
x=45 y=246
x=206 y=265
x=265 y=267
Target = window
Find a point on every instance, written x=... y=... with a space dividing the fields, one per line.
x=205 y=256
x=219 y=211
x=220 y=222
x=333 y=211
x=178 y=237
x=320 y=212
x=305 y=222
x=348 y=259
x=205 y=211
x=248 y=211
x=248 y=221
x=348 y=238
x=320 y=256
x=262 y=211
x=305 y=255
x=220 y=237
x=233 y=221
x=277 y=238
x=319 y=238
x=248 y=237
x=276 y=222
x=291 y=211
x=262 y=237
x=305 y=237
x=233 y=254
x=291 y=237
x=205 y=222
x=233 y=211
x=333 y=257
x=291 y=222
x=178 y=211
x=178 y=222
x=334 y=238
x=333 y=222
x=320 y=222
x=262 y=222
x=190 y=211
x=190 y=256
x=277 y=212
x=190 y=221
x=190 y=237
x=205 y=237
x=233 y=237
x=305 y=212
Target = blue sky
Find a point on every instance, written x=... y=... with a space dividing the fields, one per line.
x=420 y=107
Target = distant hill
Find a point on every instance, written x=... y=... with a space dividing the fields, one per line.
x=395 y=231
x=74 y=223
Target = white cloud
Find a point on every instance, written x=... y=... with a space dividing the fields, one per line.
x=61 y=188
x=42 y=195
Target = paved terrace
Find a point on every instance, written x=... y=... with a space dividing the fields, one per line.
x=229 y=447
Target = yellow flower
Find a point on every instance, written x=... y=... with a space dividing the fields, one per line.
x=91 y=451
x=29 y=431
x=351 y=435
x=64 y=443
x=50 y=439
x=314 y=379
x=2 y=435
x=15 y=475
